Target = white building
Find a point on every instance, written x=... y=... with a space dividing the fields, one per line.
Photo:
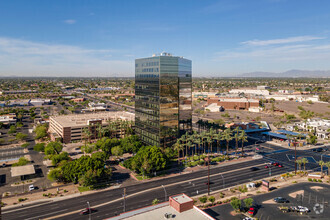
x=261 y=92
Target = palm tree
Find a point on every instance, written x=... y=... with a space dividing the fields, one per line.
x=211 y=134
x=100 y=130
x=209 y=142
x=243 y=138
x=227 y=137
x=322 y=163
x=304 y=161
x=218 y=137
x=203 y=136
x=178 y=147
x=197 y=142
x=327 y=164
x=299 y=162
x=236 y=137
x=189 y=145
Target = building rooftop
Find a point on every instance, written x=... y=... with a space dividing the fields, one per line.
x=82 y=119
x=22 y=170
x=182 y=198
x=158 y=212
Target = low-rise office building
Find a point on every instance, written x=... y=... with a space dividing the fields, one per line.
x=179 y=207
x=70 y=128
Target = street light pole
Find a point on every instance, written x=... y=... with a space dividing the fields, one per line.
x=124 y=199
x=165 y=193
x=89 y=211
x=208 y=174
x=295 y=158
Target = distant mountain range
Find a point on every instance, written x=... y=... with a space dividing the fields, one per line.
x=289 y=74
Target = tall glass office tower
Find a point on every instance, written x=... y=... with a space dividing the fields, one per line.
x=163 y=98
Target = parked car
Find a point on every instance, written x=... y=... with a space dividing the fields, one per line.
x=281 y=200
x=31 y=187
x=254 y=168
x=252 y=211
x=280 y=165
x=86 y=211
x=267 y=166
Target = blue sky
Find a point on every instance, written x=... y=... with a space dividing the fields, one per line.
x=103 y=37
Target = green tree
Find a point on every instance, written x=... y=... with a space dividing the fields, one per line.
x=304 y=161
x=41 y=131
x=248 y=202
x=12 y=129
x=312 y=139
x=117 y=151
x=21 y=162
x=55 y=174
x=53 y=148
x=227 y=137
x=322 y=163
x=40 y=147
x=299 y=162
x=327 y=164
x=243 y=138
x=20 y=136
x=236 y=204
x=56 y=159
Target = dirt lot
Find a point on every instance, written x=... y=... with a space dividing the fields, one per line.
x=291 y=107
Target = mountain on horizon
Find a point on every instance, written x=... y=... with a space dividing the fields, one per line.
x=290 y=73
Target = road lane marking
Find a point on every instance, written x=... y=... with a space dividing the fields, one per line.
x=144 y=191
x=36 y=217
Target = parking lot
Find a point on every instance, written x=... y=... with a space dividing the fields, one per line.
x=314 y=196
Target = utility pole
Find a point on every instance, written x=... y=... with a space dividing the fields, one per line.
x=208 y=173
x=295 y=158
x=124 y=199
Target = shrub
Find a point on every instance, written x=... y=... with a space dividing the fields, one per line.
x=25 y=145
x=314 y=180
x=203 y=199
x=222 y=195
x=320 y=181
x=310 y=180
x=211 y=199
x=294 y=182
x=39 y=147
x=21 y=162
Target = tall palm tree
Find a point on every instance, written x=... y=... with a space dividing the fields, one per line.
x=322 y=163
x=100 y=130
x=203 y=137
x=197 y=141
x=189 y=145
x=209 y=142
x=227 y=137
x=304 y=161
x=218 y=137
x=178 y=147
x=236 y=137
x=212 y=133
x=327 y=164
x=243 y=138
x=299 y=162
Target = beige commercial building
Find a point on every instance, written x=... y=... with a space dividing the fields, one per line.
x=70 y=128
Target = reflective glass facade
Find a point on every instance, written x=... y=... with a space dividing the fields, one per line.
x=163 y=99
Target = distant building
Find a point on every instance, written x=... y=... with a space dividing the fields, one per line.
x=260 y=92
x=203 y=95
x=77 y=100
x=319 y=127
x=8 y=119
x=263 y=87
x=163 y=101
x=180 y=207
x=18 y=92
x=232 y=103
x=105 y=89
x=69 y=128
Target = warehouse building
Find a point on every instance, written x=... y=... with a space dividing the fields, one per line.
x=68 y=128
x=231 y=104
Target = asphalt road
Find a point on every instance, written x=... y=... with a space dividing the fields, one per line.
x=232 y=175
x=269 y=210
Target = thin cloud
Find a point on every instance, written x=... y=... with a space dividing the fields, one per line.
x=21 y=57
x=70 y=21
x=288 y=40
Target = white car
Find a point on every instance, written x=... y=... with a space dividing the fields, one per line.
x=31 y=187
x=302 y=209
